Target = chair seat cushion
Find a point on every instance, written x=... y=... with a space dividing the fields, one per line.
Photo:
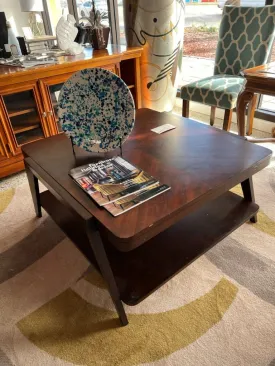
x=219 y=90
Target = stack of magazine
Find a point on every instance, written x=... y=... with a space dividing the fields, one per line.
x=117 y=185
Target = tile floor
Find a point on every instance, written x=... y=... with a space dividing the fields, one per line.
x=195 y=68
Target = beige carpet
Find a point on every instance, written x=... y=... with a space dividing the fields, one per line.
x=219 y=311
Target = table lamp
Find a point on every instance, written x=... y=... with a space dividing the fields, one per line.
x=33 y=7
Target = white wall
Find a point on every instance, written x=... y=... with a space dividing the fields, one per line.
x=14 y=15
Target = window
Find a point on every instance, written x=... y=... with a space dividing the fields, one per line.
x=55 y=9
x=121 y=22
x=84 y=7
x=266 y=102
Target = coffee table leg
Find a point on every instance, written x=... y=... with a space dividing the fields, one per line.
x=105 y=268
x=34 y=187
x=248 y=192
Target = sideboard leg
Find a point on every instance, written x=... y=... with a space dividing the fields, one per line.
x=105 y=269
x=34 y=187
x=248 y=192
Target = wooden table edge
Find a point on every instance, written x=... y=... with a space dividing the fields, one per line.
x=134 y=240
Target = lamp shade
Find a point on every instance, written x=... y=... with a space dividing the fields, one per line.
x=31 y=5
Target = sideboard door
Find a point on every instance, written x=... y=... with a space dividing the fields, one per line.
x=50 y=88
x=24 y=118
x=4 y=144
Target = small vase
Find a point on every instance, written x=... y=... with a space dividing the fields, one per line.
x=81 y=36
x=157 y=26
x=100 y=37
x=87 y=37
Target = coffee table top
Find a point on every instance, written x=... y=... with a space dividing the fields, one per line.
x=199 y=162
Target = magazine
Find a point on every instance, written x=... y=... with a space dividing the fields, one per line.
x=125 y=204
x=110 y=181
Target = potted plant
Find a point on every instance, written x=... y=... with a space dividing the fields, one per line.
x=99 y=33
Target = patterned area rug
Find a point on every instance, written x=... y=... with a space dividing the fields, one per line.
x=55 y=309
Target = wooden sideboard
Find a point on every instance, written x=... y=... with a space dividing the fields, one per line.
x=28 y=97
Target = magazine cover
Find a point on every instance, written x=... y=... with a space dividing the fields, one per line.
x=125 y=204
x=106 y=193
x=109 y=180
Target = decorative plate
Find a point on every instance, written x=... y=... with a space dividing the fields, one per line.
x=96 y=109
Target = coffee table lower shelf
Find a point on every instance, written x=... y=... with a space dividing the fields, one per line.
x=141 y=271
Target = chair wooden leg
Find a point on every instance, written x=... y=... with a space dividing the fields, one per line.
x=212 y=115
x=227 y=119
x=185 y=108
x=250 y=114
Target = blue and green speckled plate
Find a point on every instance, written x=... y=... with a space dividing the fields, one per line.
x=96 y=109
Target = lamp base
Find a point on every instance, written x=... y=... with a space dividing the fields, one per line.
x=36 y=24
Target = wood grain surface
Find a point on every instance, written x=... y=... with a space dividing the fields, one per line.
x=199 y=162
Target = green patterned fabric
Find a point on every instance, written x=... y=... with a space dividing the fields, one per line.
x=219 y=90
x=245 y=40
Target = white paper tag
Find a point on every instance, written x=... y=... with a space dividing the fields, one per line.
x=163 y=128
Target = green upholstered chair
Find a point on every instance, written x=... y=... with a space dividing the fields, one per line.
x=245 y=40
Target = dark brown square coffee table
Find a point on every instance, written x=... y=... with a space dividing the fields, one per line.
x=140 y=250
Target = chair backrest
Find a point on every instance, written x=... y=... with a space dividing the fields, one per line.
x=245 y=39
